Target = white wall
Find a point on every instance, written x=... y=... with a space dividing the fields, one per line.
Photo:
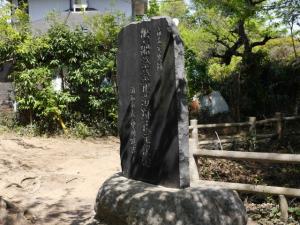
x=39 y=9
x=111 y=5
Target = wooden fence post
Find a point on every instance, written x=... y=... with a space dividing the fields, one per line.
x=252 y=132
x=194 y=174
x=279 y=128
x=283 y=208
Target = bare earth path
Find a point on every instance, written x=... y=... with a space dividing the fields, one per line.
x=56 y=178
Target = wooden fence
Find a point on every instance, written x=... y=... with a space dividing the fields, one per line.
x=252 y=137
x=195 y=152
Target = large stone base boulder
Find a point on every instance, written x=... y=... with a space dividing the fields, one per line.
x=122 y=201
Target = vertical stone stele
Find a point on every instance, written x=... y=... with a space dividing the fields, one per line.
x=153 y=112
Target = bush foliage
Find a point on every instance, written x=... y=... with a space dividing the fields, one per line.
x=84 y=62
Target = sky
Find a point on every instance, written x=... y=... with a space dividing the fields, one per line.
x=188 y=2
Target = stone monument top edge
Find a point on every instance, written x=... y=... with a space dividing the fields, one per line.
x=167 y=18
x=172 y=28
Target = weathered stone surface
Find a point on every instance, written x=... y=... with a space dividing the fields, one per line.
x=153 y=113
x=123 y=201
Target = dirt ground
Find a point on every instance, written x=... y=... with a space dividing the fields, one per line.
x=56 y=178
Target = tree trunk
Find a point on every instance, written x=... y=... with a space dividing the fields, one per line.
x=293 y=41
x=30 y=117
x=297 y=102
x=238 y=114
x=236 y=95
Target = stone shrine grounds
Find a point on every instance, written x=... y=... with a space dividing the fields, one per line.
x=58 y=178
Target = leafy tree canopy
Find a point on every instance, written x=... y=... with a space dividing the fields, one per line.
x=153 y=8
x=174 y=9
x=236 y=27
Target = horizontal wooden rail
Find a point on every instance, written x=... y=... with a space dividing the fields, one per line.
x=218 y=125
x=249 y=188
x=265 y=136
x=291 y=118
x=244 y=124
x=250 y=156
x=266 y=121
x=223 y=141
x=228 y=139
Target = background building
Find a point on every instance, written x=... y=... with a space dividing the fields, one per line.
x=39 y=9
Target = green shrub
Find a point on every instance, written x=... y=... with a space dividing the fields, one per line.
x=85 y=60
x=81 y=130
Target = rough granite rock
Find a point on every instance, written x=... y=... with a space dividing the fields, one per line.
x=121 y=201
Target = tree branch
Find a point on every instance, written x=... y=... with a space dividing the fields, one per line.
x=243 y=40
x=259 y=43
x=252 y=2
x=217 y=55
x=218 y=40
x=230 y=51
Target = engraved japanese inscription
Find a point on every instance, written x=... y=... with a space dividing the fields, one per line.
x=153 y=122
x=159 y=65
x=145 y=98
x=132 y=122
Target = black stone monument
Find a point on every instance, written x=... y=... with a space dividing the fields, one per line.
x=153 y=113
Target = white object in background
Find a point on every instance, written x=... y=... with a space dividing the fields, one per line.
x=57 y=84
x=80 y=4
x=218 y=103
x=15 y=106
x=176 y=21
x=205 y=103
x=214 y=103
